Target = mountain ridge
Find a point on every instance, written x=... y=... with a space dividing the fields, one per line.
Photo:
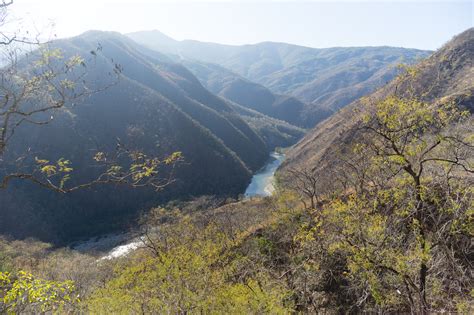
x=302 y=72
x=329 y=137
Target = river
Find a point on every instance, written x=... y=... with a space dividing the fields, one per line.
x=262 y=181
x=120 y=244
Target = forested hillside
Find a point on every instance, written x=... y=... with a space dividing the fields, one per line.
x=446 y=75
x=157 y=107
x=140 y=174
x=324 y=79
x=233 y=87
x=382 y=224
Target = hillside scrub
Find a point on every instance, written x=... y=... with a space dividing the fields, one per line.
x=393 y=235
x=386 y=229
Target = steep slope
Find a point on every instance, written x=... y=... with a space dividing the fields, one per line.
x=447 y=74
x=178 y=85
x=326 y=79
x=158 y=107
x=254 y=96
x=275 y=133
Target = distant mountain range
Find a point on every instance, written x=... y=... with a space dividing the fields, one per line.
x=324 y=80
x=447 y=74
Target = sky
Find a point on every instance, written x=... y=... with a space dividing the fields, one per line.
x=422 y=24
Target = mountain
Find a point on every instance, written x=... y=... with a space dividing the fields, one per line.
x=270 y=114
x=157 y=106
x=275 y=133
x=446 y=74
x=325 y=80
x=234 y=87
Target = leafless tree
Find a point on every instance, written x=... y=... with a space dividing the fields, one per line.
x=305 y=182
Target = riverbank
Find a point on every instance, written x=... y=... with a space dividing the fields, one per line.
x=262 y=183
x=119 y=244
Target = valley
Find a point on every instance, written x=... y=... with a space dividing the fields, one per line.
x=147 y=173
x=157 y=107
x=118 y=245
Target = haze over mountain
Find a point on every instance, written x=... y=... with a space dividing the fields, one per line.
x=325 y=79
x=446 y=74
x=157 y=106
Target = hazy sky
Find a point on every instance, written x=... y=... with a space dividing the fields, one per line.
x=418 y=24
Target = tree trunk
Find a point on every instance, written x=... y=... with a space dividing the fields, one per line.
x=422 y=285
x=423 y=267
